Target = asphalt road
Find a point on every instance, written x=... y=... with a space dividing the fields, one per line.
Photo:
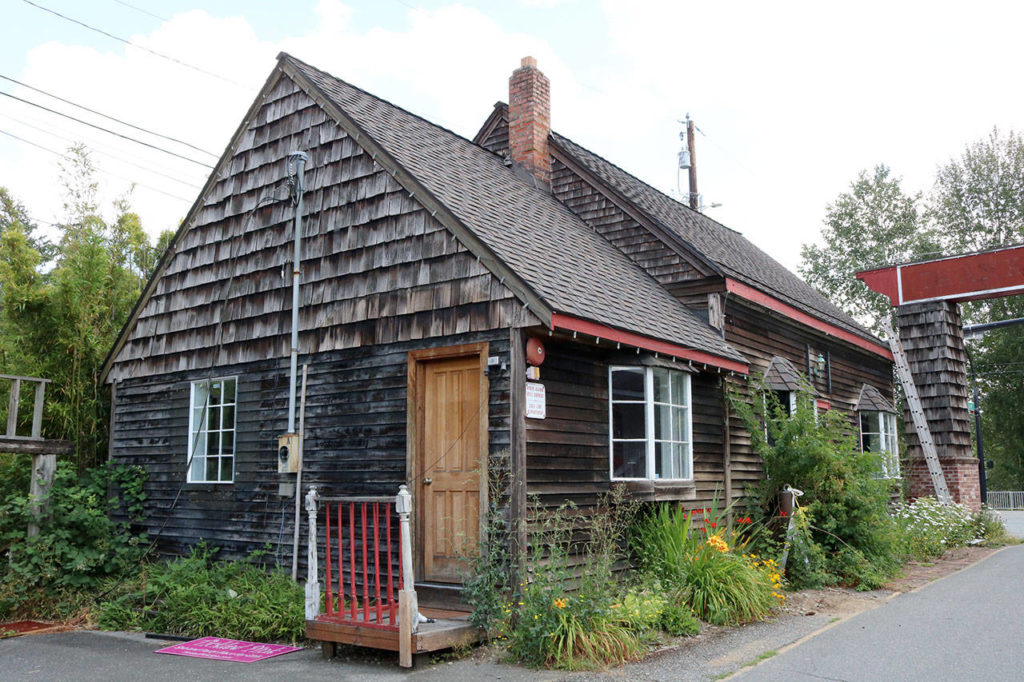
x=966 y=626
x=1014 y=521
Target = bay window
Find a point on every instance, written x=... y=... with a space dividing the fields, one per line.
x=878 y=434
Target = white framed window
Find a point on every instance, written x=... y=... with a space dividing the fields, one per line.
x=211 y=428
x=650 y=426
x=878 y=434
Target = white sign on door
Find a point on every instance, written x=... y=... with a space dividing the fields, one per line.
x=536 y=400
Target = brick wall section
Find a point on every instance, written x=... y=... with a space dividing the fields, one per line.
x=529 y=113
x=932 y=336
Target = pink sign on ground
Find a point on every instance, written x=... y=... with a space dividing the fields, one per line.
x=227 y=650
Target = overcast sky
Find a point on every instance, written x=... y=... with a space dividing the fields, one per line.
x=793 y=99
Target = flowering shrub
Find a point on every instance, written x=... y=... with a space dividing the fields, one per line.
x=930 y=528
x=771 y=571
x=547 y=625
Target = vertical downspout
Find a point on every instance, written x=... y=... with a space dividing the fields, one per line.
x=299 y=158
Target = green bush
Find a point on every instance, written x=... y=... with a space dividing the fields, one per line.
x=196 y=596
x=549 y=623
x=722 y=588
x=640 y=608
x=990 y=528
x=677 y=619
x=850 y=537
x=78 y=546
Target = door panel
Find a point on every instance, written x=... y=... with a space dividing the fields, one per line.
x=450 y=465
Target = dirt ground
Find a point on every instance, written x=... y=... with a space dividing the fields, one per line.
x=842 y=602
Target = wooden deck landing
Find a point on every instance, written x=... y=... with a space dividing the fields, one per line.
x=450 y=629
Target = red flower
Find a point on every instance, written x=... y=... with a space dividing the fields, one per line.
x=782 y=513
x=713 y=524
x=747 y=520
x=703 y=529
x=707 y=511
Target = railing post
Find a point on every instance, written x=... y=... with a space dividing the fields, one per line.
x=312 y=575
x=408 y=610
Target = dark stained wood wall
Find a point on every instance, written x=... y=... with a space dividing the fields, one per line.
x=759 y=335
x=376 y=267
x=355 y=445
x=568 y=452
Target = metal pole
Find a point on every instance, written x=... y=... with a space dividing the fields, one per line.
x=300 y=159
x=298 y=478
x=982 y=474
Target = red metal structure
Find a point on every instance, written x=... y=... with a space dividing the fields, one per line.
x=363 y=570
x=925 y=295
x=967 y=277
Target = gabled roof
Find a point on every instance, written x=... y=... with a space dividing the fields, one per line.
x=553 y=262
x=723 y=251
x=570 y=268
x=871 y=399
x=726 y=249
x=781 y=375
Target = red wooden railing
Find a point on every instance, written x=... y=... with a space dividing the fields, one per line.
x=363 y=569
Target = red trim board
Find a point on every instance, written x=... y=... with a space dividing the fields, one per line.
x=559 y=321
x=759 y=297
x=969 y=277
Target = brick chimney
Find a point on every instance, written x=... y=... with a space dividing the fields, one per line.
x=529 y=119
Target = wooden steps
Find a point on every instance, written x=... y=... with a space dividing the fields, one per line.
x=449 y=629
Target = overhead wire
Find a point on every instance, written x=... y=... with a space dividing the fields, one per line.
x=140 y=47
x=116 y=157
x=139 y=9
x=106 y=116
x=115 y=175
x=106 y=130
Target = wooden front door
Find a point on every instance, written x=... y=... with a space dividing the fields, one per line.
x=450 y=462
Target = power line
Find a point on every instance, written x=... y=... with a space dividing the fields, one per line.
x=115 y=175
x=117 y=120
x=100 y=151
x=140 y=47
x=106 y=130
x=139 y=9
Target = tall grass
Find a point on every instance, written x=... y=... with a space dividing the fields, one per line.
x=722 y=587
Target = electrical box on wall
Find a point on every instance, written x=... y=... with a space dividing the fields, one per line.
x=288 y=453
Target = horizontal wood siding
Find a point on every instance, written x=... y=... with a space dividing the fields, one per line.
x=568 y=452
x=760 y=335
x=355 y=444
x=636 y=241
x=376 y=269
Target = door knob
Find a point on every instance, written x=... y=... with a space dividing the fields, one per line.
x=427 y=481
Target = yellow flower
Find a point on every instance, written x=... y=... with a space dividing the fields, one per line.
x=561 y=603
x=718 y=544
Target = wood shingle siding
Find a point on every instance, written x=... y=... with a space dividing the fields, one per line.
x=377 y=268
x=618 y=227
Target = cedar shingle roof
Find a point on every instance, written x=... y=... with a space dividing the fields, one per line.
x=573 y=269
x=727 y=250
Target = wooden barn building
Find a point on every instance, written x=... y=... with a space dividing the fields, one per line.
x=429 y=263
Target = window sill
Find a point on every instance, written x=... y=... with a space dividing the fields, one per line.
x=659 y=491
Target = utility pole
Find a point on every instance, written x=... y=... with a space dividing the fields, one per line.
x=694 y=198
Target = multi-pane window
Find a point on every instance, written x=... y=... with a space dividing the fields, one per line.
x=650 y=424
x=211 y=443
x=878 y=434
